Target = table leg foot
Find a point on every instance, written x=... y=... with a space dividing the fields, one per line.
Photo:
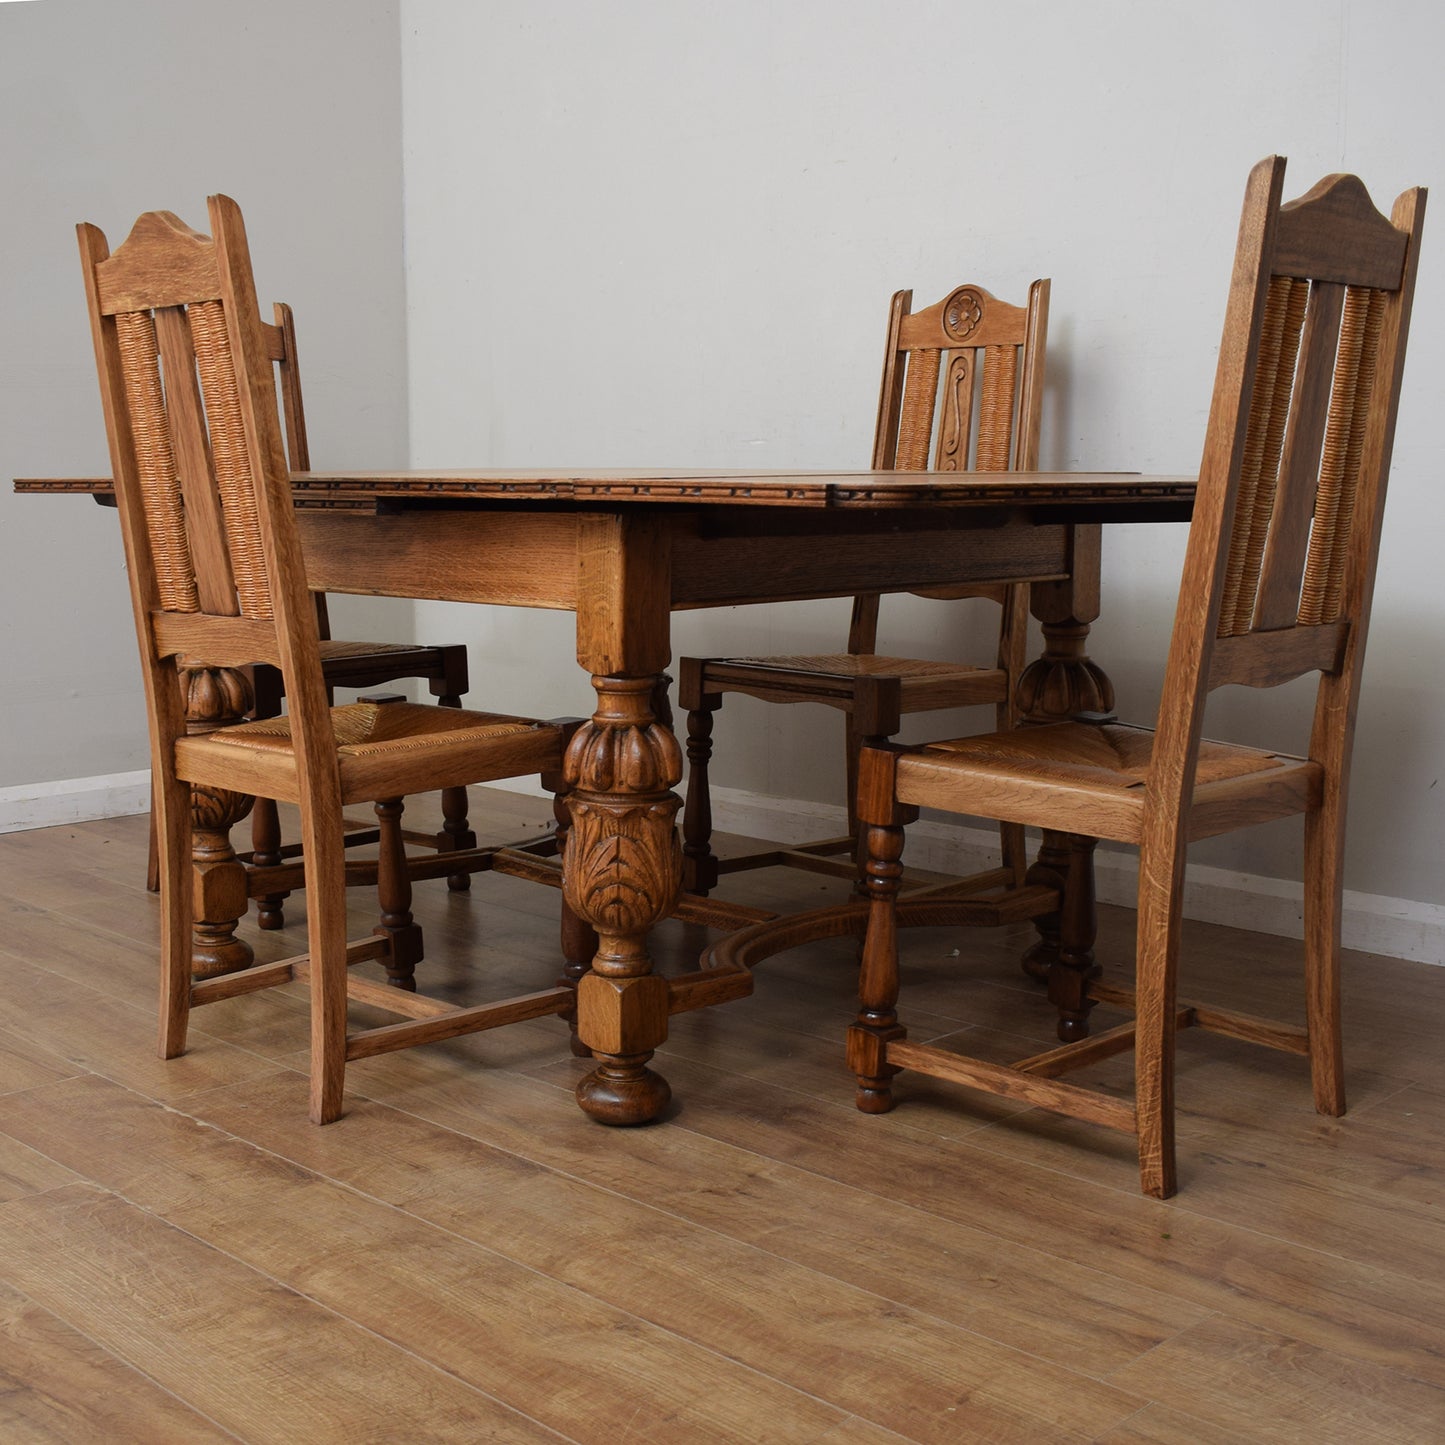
x=623 y=1091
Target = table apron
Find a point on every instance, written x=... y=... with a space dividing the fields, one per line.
x=719 y=571
x=530 y=559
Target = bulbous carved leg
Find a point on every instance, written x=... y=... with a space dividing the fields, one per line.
x=622 y=872
x=1065 y=681
x=216 y=697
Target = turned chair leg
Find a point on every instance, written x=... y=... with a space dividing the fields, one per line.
x=456 y=834
x=266 y=853
x=1049 y=870
x=699 y=864
x=1074 y=969
x=877 y=1022
x=393 y=890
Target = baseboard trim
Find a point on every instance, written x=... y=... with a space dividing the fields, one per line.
x=1372 y=922
x=74 y=800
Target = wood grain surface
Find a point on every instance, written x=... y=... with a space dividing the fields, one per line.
x=465 y=1257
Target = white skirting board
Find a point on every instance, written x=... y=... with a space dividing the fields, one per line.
x=1372 y=922
x=74 y=800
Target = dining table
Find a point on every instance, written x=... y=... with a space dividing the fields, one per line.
x=623 y=549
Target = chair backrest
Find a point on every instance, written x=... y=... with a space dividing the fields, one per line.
x=974 y=365
x=202 y=482
x=1280 y=564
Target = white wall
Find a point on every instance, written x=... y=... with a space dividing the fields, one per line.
x=109 y=109
x=664 y=232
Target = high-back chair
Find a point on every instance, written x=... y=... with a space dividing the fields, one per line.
x=974 y=365
x=1277 y=582
x=343 y=664
x=217 y=576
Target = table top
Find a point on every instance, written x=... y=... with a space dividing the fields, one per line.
x=869 y=489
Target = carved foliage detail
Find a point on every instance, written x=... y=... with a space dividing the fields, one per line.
x=624 y=866
x=962 y=312
x=634 y=758
x=216 y=810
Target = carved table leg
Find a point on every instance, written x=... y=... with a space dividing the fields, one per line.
x=622 y=873
x=578 y=937
x=216 y=697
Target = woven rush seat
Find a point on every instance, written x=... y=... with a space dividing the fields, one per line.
x=1113 y=756
x=1029 y=767
x=368 y=735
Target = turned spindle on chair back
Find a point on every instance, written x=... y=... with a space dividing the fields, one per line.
x=201 y=475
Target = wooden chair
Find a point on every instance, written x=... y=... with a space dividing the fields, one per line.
x=1277 y=582
x=357 y=665
x=217 y=577
x=985 y=359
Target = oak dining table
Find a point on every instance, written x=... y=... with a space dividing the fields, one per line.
x=623 y=549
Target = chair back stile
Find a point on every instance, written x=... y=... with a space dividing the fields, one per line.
x=202 y=479
x=1280 y=565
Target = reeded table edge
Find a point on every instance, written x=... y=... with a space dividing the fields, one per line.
x=354 y=490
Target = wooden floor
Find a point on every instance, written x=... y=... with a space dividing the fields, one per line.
x=465 y=1257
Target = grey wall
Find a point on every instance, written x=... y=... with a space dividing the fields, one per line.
x=108 y=109
x=664 y=234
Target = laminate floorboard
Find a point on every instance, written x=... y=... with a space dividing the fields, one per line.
x=465 y=1257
